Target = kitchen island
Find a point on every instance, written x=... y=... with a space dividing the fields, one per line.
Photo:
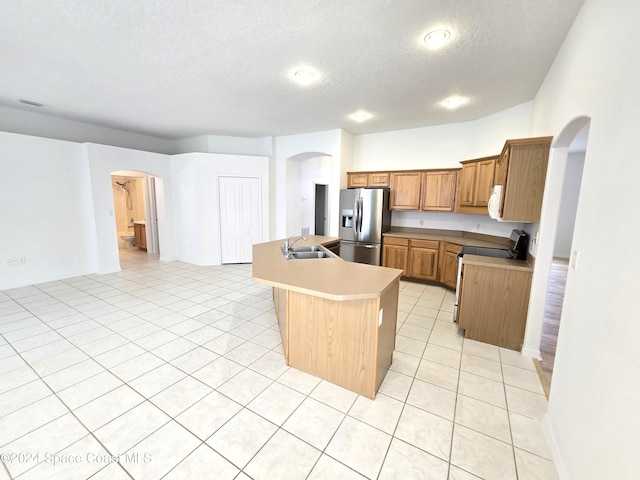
x=337 y=319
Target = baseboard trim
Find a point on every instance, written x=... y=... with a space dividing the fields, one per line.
x=555 y=450
x=544 y=378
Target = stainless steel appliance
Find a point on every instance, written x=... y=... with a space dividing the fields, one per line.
x=517 y=250
x=364 y=216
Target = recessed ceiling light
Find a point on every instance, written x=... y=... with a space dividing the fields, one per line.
x=454 y=101
x=437 y=38
x=360 y=116
x=304 y=76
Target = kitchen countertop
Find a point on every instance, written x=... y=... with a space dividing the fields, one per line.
x=466 y=238
x=330 y=278
x=505 y=263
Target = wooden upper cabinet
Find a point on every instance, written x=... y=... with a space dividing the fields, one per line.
x=405 y=190
x=475 y=184
x=378 y=179
x=484 y=181
x=522 y=171
x=439 y=190
x=467 y=185
x=357 y=179
x=367 y=179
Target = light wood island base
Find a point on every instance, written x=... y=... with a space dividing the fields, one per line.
x=346 y=338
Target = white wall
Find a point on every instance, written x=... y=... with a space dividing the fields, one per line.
x=333 y=143
x=312 y=171
x=261 y=146
x=38 y=124
x=453 y=221
x=593 y=418
x=294 y=202
x=569 y=204
x=197 y=203
x=46 y=210
x=444 y=146
x=102 y=161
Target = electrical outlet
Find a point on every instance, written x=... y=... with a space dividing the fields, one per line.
x=15 y=261
x=421 y=223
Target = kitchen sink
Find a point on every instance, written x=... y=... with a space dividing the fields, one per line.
x=305 y=253
x=312 y=248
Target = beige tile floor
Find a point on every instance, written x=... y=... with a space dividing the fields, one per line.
x=175 y=371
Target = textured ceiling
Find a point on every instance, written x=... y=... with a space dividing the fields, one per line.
x=176 y=69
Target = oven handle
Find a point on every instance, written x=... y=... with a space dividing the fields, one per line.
x=458 y=283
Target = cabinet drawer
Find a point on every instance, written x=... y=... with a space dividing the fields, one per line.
x=425 y=244
x=452 y=247
x=396 y=241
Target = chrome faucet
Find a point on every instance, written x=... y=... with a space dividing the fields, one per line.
x=288 y=244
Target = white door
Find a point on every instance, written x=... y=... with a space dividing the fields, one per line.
x=240 y=218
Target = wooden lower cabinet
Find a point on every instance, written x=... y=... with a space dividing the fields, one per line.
x=280 y=302
x=349 y=343
x=395 y=253
x=449 y=263
x=493 y=304
x=423 y=259
x=140 y=235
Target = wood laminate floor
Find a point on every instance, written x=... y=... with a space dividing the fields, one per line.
x=552 y=313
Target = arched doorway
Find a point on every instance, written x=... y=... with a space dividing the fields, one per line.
x=558 y=218
x=305 y=172
x=135 y=212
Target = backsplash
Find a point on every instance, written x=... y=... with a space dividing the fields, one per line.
x=452 y=221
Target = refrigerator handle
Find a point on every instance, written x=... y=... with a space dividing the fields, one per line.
x=355 y=217
x=360 y=212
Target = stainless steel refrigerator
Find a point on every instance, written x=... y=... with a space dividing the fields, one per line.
x=364 y=216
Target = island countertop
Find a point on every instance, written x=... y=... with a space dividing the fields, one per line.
x=330 y=278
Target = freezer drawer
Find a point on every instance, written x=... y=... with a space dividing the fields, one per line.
x=361 y=252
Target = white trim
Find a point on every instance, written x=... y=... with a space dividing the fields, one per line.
x=561 y=469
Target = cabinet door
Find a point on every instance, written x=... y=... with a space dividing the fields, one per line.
x=502 y=166
x=357 y=180
x=484 y=182
x=137 y=238
x=405 y=190
x=466 y=188
x=439 y=191
x=423 y=259
x=395 y=253
x=524 y=187
x=395 y=256
x=143 y=236
x=379 y=179
x=449 y=269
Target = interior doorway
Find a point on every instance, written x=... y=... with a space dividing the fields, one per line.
x=321 y=209
x=135 y=212
x=562 y=250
